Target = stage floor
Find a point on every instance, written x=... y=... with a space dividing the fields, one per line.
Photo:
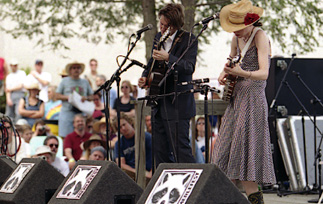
x=273 y=198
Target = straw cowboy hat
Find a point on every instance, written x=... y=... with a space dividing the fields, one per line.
x=94 y=137
x=63 y=72
x=238 y=16
x=96 y=125
x=32 y=86
x=68 y=66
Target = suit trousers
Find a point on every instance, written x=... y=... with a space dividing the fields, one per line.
x=164 y=140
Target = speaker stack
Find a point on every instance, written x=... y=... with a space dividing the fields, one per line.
x=6 y=166
x=97 y=182
x=30 y=183
x=191 y=183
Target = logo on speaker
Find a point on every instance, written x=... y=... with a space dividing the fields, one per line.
x=174 y=186
x=78 y=182
x=16 y=177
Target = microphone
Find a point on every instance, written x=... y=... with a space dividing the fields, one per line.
x=148 y=27
x=296 y=74
x=135 y=62
x=208 y=19
x=196 y=81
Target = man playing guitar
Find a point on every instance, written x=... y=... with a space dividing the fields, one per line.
x=163 y=113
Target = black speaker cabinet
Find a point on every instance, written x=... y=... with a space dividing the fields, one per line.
x=310 y=71
x=29 y=182
x=6 y=167
x=191 y=184
x=97 y=182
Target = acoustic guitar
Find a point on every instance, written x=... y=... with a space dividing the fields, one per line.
x=157 y=70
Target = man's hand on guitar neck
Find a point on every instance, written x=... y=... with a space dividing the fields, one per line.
x=142 y=82
x=160 y=55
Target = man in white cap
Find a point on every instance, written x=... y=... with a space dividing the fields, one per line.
x=42 y=78
x=69 y=84
x=14 y=90
x=45 y=153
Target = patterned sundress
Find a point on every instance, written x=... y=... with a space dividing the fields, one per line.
x=243 y=150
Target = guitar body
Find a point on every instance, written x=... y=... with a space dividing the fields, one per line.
x=229 y=87
x=156 y=76
x=230 y=81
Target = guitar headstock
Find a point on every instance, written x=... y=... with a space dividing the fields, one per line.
x=234 y=60
x=164 y=37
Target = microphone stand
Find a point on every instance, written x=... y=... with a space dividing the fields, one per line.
x=204 y=89
x=318 y=150
x=273 y=103
x=116 y=78
x=168 y=72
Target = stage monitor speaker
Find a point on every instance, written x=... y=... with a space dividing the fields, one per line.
x=191 y=184
x=6 y=166
x=29 y=182
x=97 y=182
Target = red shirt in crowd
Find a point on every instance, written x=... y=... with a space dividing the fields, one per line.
x=73 y=141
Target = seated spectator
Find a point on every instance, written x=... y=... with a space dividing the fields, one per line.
x=98 y=153
x=16 y=147
x=124 y=101
x=87 y=146
x=72 y=142
x=99 y=81
x=45 y=153
x=89 y=124
x=41 y=129
x=127 y=145
x=99 y=127
x=30 y=107
x=52 y=106
x=99 y=107
x=58 y=163
x=25 y=133
x=148 y=123
x=200 y=135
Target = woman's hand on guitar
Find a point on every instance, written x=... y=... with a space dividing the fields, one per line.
x=236 y=70
x=142 y=82
x=160 y=55
x=222 y=78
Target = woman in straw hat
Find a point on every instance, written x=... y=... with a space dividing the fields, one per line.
x=242 y=149
x=31 y=107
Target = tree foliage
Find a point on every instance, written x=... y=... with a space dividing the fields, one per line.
x=294 y=24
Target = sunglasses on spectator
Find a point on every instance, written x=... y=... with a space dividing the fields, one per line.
x=201 y=123
x=124 y=87
x=76 y=67
x=52 y=145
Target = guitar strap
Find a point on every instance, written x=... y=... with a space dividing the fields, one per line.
x=176 y=40
x=246 y=47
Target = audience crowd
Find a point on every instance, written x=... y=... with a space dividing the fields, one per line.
x=45 y=123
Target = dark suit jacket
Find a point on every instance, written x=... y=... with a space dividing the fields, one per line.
x=185 y=68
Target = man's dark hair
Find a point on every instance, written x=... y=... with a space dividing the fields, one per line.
x=93 y=60
x=174 y=13
x=50 y=137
